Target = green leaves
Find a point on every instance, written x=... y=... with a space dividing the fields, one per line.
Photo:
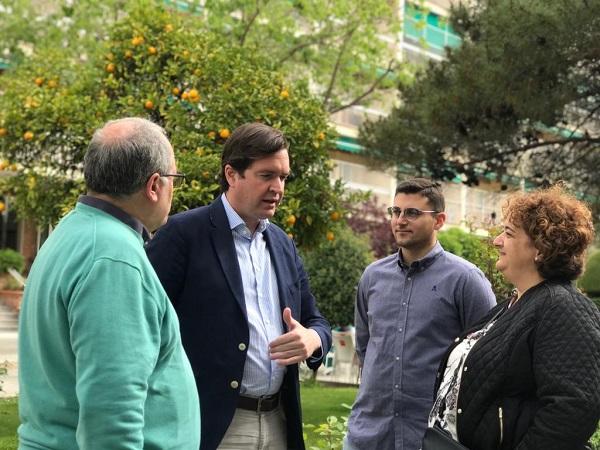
x=335 y=43
x=165 y=67
x=335 y=268
x=519 y=97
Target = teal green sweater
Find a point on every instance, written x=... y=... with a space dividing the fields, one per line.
x=101 y=365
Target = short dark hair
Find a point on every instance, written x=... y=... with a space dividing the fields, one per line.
x=248 y=143
x=560 y=226
x=123 y=154
x=431 y=190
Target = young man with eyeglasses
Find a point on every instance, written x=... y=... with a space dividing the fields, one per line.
x=409 y=308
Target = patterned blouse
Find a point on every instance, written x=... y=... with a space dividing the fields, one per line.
x=445 y=406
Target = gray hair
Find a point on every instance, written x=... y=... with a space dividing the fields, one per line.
x=123 y=154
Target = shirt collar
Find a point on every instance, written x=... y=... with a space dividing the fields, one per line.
x=236 y=222
x=116 y=212
x=425 y=261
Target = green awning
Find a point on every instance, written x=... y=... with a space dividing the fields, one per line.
x=348 y=144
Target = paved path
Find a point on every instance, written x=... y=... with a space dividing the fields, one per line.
x=9 y=385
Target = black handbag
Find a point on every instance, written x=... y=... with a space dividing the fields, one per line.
x=437 y=438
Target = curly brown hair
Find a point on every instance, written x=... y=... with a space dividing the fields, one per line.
x=559 y=225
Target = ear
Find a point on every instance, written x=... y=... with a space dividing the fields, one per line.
x=152 y=187
x=230 y=175
x=440 y=219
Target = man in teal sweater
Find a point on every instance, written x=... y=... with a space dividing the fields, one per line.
x=100 y=354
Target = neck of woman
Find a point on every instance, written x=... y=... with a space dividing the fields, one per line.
x=525 y=283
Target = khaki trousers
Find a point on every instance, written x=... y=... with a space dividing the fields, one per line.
x=252 y=431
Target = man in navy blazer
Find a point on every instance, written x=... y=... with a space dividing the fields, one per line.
x=246 y=312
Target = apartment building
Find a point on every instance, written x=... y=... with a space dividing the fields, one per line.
x=425 y=34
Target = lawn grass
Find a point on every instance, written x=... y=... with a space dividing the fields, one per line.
x=9 y=420
x=318 y=402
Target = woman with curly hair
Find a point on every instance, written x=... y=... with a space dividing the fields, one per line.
x=527 y=377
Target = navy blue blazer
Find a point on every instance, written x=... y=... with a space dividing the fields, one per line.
x=194 y=256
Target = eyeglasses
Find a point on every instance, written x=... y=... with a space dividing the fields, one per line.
x=178 y=178
x=410 y=214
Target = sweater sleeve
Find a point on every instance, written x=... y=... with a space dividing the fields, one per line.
x=566 y=364
x=115 y=336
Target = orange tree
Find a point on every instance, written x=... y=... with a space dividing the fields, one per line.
x=166 y=68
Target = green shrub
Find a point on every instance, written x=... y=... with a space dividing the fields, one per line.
x=480 y=251
x=595 y=440
x=334 y=269
x=590 y=280
x=11 y=258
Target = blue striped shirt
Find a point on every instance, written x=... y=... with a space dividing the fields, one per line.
x=265 y=322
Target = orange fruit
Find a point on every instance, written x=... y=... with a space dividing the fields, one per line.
x=211 y=134
x=321 y=136
x=137 y=40
x=128 y=54
x=168 y=27
x=175 y=91
x=330 y=236
x=28 y=135
x=148 y=104
x=152 y=50
x=2 y=206
x=284 y=94
x=193 y=96
x=335 y=216
x=39 y=81
x=52 y=84
x=224 y=133
x=3 y=132
x=3 y=164
x=185 y=95
x=291 y=220
x=110 y=67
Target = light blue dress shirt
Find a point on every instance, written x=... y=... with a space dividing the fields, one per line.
x=265 y=322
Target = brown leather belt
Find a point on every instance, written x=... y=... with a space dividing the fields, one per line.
x=262 y=404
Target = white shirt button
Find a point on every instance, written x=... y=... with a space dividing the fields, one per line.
x=397 y=358
x=242 y=346
x=234 y=384
x=459 y=411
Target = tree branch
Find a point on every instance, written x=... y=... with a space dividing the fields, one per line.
x=250 y=23
x=585 y=119
x=369 y=91
x=532 y=145
x=319 y=39
x=338 y=61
